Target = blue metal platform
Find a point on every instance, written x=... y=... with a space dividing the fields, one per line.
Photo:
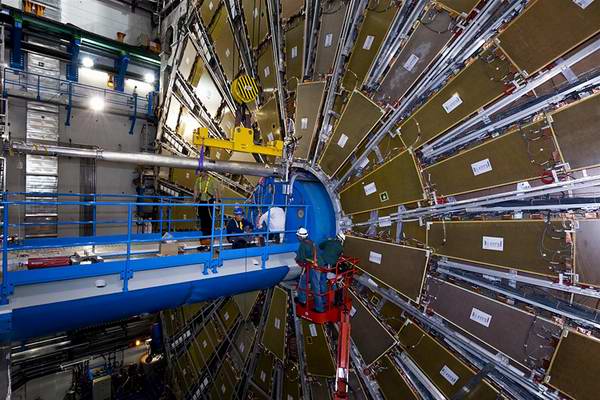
x=134 y=278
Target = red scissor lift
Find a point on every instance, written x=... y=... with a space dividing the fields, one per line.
x=337 y=304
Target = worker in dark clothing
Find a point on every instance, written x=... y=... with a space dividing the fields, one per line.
x=308 y=253
x=206 y=191
x=331 y=250
x=238 y=225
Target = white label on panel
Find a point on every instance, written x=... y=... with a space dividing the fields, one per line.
x=218 y=155
x=204 y=344
x=385 y=221
x=242 y=347
x=270 y=137
x=294 y=51
x=255 y=12
x=304 y=123
x=263 y=376
x=409 y=65
x=523 y=186
x=368 y=42
x=481 y=167
x=364 y=162
x=375 y=257
x=277 y=323
x=210 y=6
x=352 y=311
x=223 y=389
x=227 y=53
x=449 y=375
x=267 y=71
x=480 y=317
x=342 y=141
x=313 y=330
x=328 y=39
x=226 y=316
x=290 y=397
x=452 y=103
x=370 y=188
x=493 y=243
x=583 y=3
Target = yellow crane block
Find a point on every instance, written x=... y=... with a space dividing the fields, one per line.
x=242 y=141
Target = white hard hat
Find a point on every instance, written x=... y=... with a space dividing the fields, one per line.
x=341 y=235
x=302 y=233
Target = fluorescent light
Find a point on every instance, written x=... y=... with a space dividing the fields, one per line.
x=149 y=77
x=97 y=103
x=87 y=62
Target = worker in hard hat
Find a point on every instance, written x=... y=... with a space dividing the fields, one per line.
x=241 y=228
x=274 y=221
x=331 y=250
x=206 y=191
x=307 y=253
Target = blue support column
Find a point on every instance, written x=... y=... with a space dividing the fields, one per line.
x=121 y=65
x=73 y=65
x=133 y=116
x=17 y=59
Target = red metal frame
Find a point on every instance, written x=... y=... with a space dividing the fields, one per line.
x=336 y=311
x=339 y=285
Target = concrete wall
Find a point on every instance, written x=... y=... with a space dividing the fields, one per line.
x=87 y=128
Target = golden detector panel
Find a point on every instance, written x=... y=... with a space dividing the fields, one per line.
x=358 y=118
x=380 y=188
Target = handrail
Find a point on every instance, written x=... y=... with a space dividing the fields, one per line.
x=41 y=84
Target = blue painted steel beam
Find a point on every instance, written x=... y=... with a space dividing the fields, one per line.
x=17 y=59
x=121 y=65
x=73 y=65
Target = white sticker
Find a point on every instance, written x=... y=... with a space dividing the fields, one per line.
x=210 y=6
x=342 y=141
x=267 y=71
x=352 y=311
x=277 y=323
x=364 y=162
x=481 y=167
x=223 y=389
x=255 y=12
x=313 y=330
x=453 y=102
x=304 y=123
x=523 y=186
x=480 y=317
x=204 y=344
x=226 y=316
x=263 y=376
x=409 y=65
x=375 y=257
x=583 y=3
x=227 y=53
x=328 y=39
x=242 y=347
x=368 y=42
x=218 y=155
x=294 y=51
x=270 y=137
x=385 y=221
x=449 y=375
x=370 y=188
x=493 y=243
x=290 y=397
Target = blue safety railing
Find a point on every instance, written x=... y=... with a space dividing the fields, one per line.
x=49 y=88
x=213 y=249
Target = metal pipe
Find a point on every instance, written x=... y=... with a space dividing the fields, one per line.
x=231 y=167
